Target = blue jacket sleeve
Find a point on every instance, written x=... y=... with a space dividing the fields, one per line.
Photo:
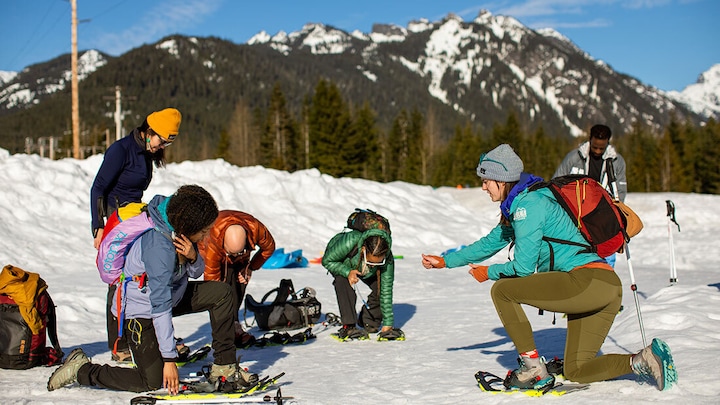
x=197 y=269
x=159 y=258
x=109 y=171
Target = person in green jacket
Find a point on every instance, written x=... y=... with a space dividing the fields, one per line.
x=579 y=283
x=353 y=256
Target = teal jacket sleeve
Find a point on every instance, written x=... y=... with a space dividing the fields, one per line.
x=483 y=249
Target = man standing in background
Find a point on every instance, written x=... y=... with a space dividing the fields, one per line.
x=592 y=159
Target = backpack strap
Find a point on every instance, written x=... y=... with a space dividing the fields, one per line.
x=52 y=330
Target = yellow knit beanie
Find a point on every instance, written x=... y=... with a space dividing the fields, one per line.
x=165 y=123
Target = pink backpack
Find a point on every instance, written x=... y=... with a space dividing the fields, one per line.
x=123 y=228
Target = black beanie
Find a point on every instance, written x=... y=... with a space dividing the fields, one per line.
x=191 y=209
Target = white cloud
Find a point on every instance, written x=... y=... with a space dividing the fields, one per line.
x=166 y=18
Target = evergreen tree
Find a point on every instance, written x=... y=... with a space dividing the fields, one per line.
x=363 y=147
x=279 y=140
x=328 y=124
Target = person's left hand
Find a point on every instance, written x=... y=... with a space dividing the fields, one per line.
x=480 y=273
x=185 y=247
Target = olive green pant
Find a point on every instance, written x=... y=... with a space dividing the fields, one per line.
x=590 y=297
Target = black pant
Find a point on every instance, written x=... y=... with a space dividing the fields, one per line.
x=139 y=335
x=370 y=315
x=237 y=288
x=112 y=322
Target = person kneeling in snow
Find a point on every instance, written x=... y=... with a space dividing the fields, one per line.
x=580 y=283
x=159 y=265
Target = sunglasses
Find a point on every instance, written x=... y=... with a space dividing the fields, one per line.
x=372 y=264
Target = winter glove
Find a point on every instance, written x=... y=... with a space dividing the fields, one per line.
x=430 y=261
x=480 y=273
x=392 y=334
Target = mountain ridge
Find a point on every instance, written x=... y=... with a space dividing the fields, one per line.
x=474 y=71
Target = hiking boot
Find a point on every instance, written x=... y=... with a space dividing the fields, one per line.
x=655 y=362
x=348 y=332
x=244 y=340
x=532 y=374
x=122 y=356
x=67 y=373
x=232 y=373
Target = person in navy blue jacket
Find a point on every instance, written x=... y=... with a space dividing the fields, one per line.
x=159 y=265
x=124 y=175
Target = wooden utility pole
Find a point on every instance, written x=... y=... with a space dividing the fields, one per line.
x=74 y=68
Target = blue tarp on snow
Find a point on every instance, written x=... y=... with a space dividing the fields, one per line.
x=282 y=260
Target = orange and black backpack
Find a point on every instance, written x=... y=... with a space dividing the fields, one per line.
x=27 y=317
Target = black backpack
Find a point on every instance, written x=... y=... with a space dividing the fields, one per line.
x=362 y=220
x=289 y=310
x=20 y=348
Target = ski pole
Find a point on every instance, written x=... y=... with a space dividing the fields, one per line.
x=361 y=297
x=633 y=286
x=671 y=219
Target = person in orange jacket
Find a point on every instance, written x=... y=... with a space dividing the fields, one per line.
x=228 y=253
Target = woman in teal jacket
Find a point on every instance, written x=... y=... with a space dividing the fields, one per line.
x=551 y=276
x=354 y=256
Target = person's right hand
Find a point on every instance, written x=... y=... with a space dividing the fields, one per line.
x=354 y=277
x=98 y=238
x=430 y=261
x=171 y=378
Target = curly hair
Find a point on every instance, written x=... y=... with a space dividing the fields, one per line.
x=191 y=209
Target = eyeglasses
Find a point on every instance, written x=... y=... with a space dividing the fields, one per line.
x=164 y=142
x=372 y=264
x=236 y=254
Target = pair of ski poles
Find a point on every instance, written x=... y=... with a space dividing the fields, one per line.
x=673 y=270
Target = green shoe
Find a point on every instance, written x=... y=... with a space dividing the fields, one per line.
x=67 y=373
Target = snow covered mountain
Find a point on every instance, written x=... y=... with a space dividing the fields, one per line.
x=476 y=71
x=541 y=73
x=28 y=88
x=703 y=97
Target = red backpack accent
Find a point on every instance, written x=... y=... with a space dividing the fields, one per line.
x=593 y=212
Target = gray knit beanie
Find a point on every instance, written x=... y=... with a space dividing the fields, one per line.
x=500 y=164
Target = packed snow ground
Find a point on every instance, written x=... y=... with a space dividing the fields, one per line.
x=449 y=319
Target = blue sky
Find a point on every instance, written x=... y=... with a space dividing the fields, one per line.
x=663 y=43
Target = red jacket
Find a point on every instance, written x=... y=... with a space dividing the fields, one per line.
x=212 y=249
